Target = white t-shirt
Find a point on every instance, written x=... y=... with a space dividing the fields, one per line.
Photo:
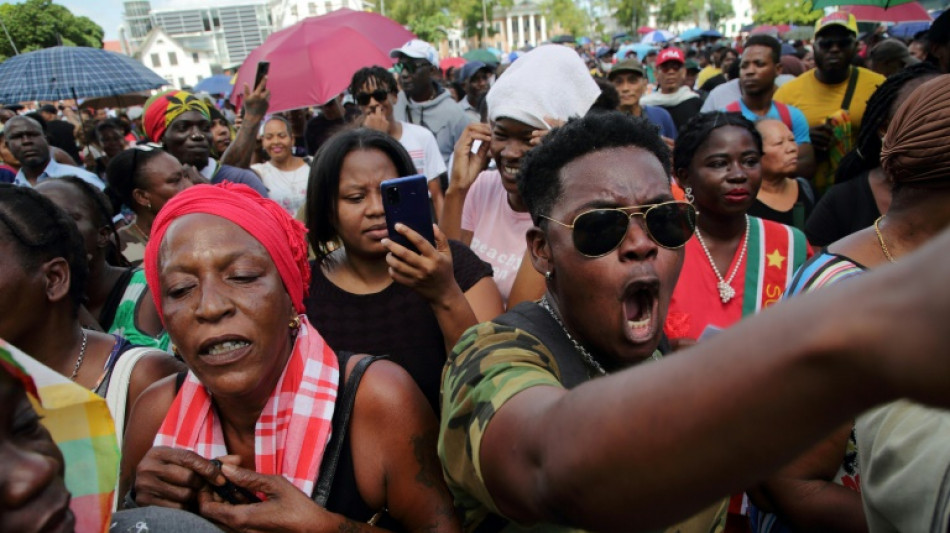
x=287 y=188
x=424 y=150
x=498 y=231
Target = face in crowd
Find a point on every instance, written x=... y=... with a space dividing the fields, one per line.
x=277 y=140
x=189 y=139
x=758 y=70
x=834 y=49
x=670 y=76
x=779 y=149
x=630 y=86
x=27 y=142
x=33 y=495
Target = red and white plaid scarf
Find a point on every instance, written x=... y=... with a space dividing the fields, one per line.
x=292 y=431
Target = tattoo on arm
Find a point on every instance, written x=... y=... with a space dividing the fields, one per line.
x=429 y=471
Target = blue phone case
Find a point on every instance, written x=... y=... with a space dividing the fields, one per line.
x=406 y=201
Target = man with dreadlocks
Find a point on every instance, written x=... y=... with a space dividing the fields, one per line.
x=861 y=192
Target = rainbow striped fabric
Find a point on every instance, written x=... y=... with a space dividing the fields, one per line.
x=80 y=424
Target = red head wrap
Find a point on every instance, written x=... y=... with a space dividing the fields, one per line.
x=283 y=237
x=163 y=108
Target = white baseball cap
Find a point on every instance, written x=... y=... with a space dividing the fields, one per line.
x=417 y=49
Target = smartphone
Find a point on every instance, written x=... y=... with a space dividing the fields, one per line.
x=406 y=201
x=231 y=493
x=263 y=67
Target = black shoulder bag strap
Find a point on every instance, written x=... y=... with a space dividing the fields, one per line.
x=533 y=319
x=341 y=423
x=849 y=93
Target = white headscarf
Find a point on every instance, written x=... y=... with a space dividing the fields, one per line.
x=549 y=81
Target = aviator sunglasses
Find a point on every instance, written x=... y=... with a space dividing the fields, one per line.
x=380 y=95
x=598 y=232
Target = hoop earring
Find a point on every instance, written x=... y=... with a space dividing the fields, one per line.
x=688 y=191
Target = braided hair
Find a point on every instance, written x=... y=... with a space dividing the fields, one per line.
x=43 y=232
x=866 y=155
x=102 y=216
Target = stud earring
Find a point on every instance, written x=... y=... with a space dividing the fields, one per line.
x=547 y=276
x=688 y=192
x=295 y=323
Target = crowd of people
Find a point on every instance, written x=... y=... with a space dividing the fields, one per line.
x=646 y=305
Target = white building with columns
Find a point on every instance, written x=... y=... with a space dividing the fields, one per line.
x=525 y=23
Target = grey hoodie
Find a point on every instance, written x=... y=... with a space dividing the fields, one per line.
x=442 y=115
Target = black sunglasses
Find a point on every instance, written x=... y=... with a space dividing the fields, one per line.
x=411 y=66
x=826 y=43
x=380 y=95
x=598 y=232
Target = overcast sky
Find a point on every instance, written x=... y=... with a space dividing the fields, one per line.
x=108 y=13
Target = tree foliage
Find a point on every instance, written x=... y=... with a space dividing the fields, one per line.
x=572 y=18
x=797 y=12
x=37 y=24
x=692 y=11
x=630 y=14
x=429 y=19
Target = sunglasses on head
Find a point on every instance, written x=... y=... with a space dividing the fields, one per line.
x=826 y=43
x=598 y=232
x=380 y=95
x=139 y=148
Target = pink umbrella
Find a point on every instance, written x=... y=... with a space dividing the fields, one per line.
x=643 y=30
x=910 y=12
x=449 y=62
x=765 y=29
x=313 y=60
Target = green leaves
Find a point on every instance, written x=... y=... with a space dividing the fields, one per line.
x=37 y=24
x=799 y=12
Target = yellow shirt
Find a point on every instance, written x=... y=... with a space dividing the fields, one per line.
x=708 y=72
x=818 y=101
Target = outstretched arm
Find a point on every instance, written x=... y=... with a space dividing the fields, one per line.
x=241 y=150
x=644 y=447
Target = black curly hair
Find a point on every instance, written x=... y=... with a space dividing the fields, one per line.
x=43 y=232
x=539 y=182
x=695 y=132
x=383 y=78
x=866 y=155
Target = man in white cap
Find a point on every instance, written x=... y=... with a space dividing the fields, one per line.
x=422 y=100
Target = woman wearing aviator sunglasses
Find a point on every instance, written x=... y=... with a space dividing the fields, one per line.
x=735 y=264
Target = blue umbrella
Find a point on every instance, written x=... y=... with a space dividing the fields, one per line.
x=64 y=72
x=712 y=34
x=583 y=40
x=907 y=30
x=217 y=84
x=640 y=49
x=657 y=36
x=691 y=34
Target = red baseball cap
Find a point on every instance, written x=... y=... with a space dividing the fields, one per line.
x=670 y=54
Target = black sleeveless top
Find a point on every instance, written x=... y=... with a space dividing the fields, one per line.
x=345 y=496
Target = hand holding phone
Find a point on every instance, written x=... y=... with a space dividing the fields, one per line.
x=406 y=201
x=232 y=493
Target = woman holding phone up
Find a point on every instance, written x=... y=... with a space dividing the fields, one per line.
x=371 y=295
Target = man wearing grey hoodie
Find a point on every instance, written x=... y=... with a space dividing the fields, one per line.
x=422 y=100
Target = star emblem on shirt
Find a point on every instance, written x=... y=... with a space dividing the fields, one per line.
x=775 y=258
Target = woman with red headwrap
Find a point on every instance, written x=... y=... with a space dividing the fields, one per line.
x=264 y=412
